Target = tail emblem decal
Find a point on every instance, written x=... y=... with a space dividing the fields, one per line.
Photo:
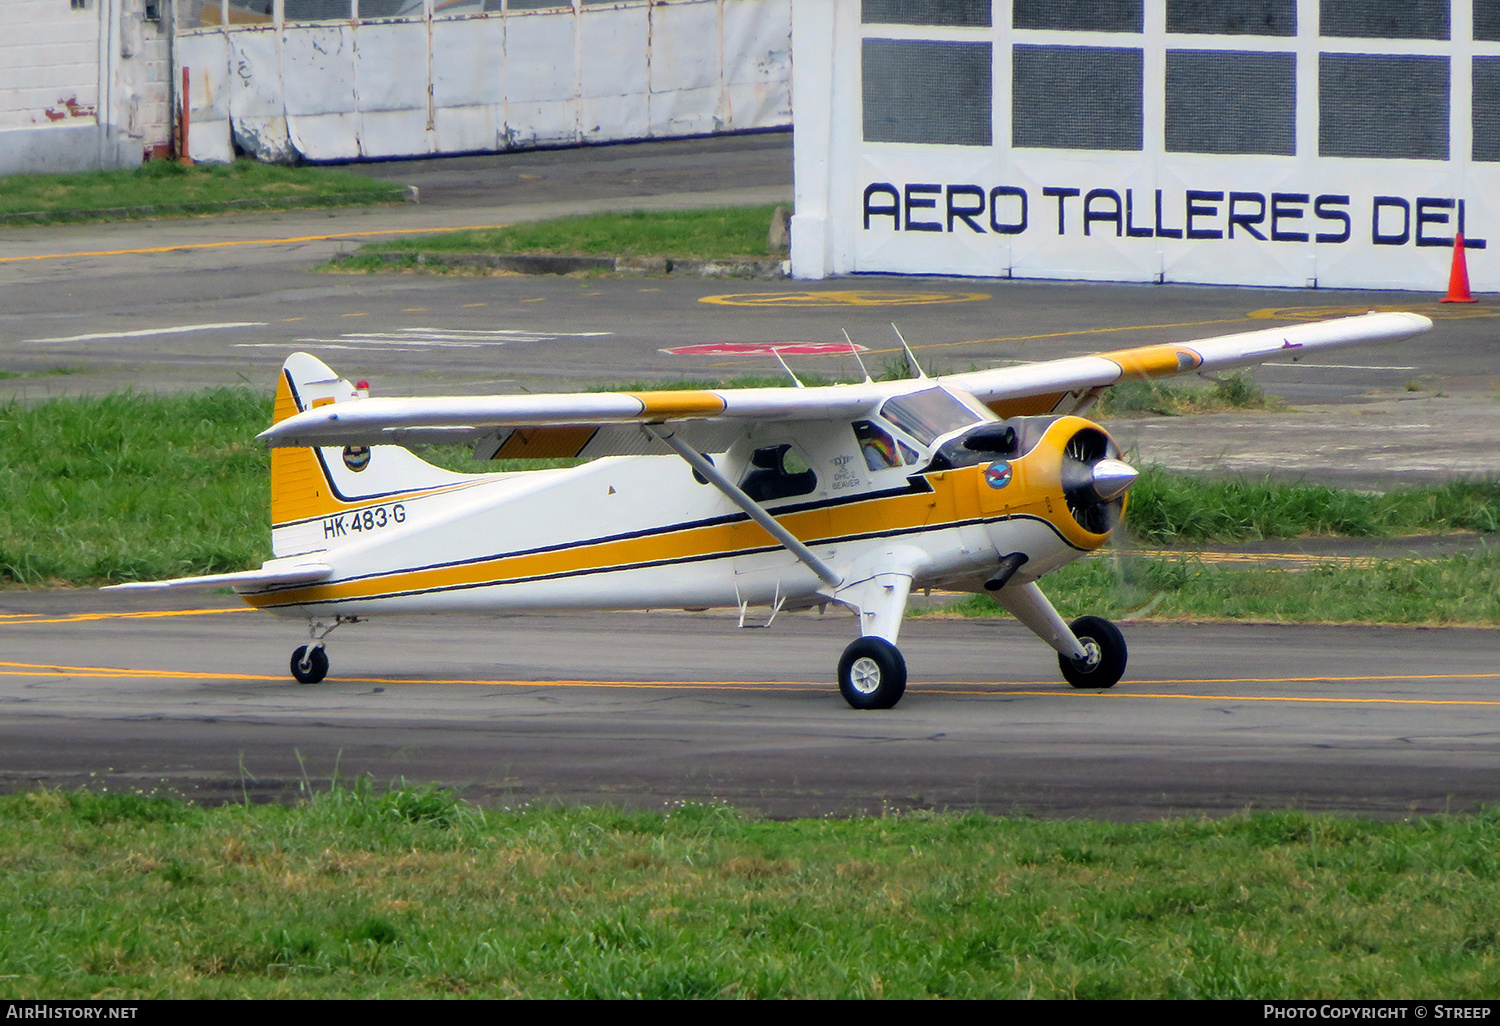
x=356 y=457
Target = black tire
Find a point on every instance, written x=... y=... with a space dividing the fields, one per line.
x=317 y=667
x=872 y=674
x=1104 y=639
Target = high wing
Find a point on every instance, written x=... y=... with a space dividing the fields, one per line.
x=1062 y=386
x=570 y=424
x=609 y=423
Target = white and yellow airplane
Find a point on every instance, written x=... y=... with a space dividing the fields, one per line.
x=846 y=495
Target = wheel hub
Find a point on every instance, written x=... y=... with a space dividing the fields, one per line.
x=1091 y=654
x=864 y=675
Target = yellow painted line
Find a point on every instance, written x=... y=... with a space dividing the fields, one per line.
x=467 y=306
x=850 y=297
x=354 y=315
x=1329 y=699
x=538 y=299
x=111 y=672
x=13 y=669
x=415 y=309
x=1316 y=698
x=107 y=672
x=79 y=617
x=1437 y=311
x=248 y=242
x=1332 y=680
x=287 y=320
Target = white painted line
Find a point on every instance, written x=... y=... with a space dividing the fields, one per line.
x=1338 y=366
x=407 y=338
x=180 y=329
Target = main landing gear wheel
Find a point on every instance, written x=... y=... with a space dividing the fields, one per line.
x=309 y=667
x=872 y=674
x=1105 y=645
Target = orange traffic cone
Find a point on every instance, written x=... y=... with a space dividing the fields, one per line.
x=1458 y=278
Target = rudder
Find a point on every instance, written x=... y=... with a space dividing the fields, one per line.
x=313 y=487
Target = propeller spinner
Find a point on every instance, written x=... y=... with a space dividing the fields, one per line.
x=1095 y=480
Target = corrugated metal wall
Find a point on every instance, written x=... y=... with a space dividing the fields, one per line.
x=343 y=79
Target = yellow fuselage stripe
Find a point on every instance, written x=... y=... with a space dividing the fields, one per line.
x=954 y=499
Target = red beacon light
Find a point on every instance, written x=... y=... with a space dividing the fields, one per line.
x=362 y=387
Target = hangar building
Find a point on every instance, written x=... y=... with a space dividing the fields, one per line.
x=1335 y=143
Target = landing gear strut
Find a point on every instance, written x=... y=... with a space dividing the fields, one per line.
x=872 y=674
x=310 y=662
x=1104 y=662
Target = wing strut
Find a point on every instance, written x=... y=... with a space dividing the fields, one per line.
x=750 y=506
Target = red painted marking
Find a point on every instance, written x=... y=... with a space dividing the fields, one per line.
x=766 y=349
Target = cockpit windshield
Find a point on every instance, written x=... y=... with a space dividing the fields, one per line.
x=929 y=414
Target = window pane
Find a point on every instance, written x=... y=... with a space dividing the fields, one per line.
x=1487 y=108
x=1384 y=19
x=927 y=92
x=1227 y=101
x=1080 y=15
x=1077 y=97
x=1233 y=17
x=1487 y=20
x=961 y=13
x=928 y=414
x=249 y=12
x=1383 y=106
x=318 y=10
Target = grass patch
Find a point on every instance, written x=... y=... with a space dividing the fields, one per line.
x=133 y=487
x=1233 y=392
x=1179 y=508
x=1454 y=590
x=411 y=893
x=716 y=233
x=173 y=188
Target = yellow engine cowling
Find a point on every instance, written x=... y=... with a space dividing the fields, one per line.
x=1063 y=471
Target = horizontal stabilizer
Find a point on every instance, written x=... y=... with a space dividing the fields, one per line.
x=302 y=573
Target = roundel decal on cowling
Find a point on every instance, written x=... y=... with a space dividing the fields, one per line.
x=356 y=457
x=998 y=474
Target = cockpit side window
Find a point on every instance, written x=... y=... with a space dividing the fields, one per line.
x=928 y=414
x=877 y=446
x=778 y=472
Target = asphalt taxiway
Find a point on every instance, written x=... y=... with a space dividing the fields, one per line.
x=644 y=710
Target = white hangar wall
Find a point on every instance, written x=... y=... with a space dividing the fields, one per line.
x=83 y=84
x=1334 y=143
x=345 y=79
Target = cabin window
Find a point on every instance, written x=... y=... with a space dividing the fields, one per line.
x=877 y=446
x=928 y=414
x=778 y=472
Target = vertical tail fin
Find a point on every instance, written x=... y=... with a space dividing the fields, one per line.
x=314 y=491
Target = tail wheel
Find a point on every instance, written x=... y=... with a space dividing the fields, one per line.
x=1105 y=663
x=872 y=674
x=309 y=667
